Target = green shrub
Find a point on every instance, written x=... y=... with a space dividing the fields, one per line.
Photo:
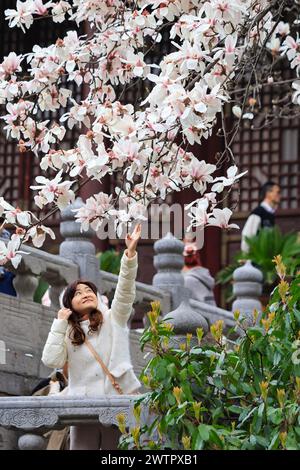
x=263 y=247
x=110 y=261
x=245 y=395
x=41 y=289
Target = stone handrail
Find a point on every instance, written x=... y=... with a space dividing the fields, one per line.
x=211 y=313
x=36 y=415
x=38 y=264
x=24 y=327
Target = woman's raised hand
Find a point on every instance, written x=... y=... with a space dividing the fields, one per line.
x=64 y=313
x=132 y=240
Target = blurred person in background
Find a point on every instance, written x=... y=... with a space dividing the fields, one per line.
x=264 y=214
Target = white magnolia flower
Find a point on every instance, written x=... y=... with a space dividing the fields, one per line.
x=16 y=216
x=11 y=252
x=296 y=94
x=220 y=218
x=248 y=116
x=38 y=235
x=201 y=174
x=22 y=16
x=10 y=65
x=229 y=180
x=53 y=190
x=95 y=210
x=5 y=206
x=198 y=214
x=59 y=11
x=237 y=111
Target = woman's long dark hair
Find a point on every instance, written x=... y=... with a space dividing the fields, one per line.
x=77 y=335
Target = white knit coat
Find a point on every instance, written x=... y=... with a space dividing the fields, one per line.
x=86 y=377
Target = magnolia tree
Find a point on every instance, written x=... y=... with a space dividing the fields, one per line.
x=223 y=54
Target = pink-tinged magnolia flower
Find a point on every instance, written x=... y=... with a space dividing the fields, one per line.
x=59 y=11
x=274 y=46
x=38 y=235
x=220 y=218
x=95 y=210
x=16 y=216
x=11 y=252
x=160 y=91
x=22 y=16
x=290 y=47
x=127 y=150
x=124 y=218
x=17 y=110
x=40 y=8
x=55 y=190
x=230 y=50
x=10 y=65
x=212 y=40
x=201 y=174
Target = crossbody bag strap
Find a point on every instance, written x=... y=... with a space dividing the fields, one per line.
x=105 y=369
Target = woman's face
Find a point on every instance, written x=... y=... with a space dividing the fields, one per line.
x=84 y=300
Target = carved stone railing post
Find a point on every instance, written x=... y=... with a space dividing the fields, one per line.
x=169 y=261
x=247 y=288
x=78 y=246
x=57 y=285
x=185 y=318
x=25 y=283
x=32 y=442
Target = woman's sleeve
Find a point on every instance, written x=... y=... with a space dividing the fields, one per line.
x=55 y=350
x=125 y=291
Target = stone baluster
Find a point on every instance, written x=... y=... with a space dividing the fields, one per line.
x=57 y=285
x=37 y=264
x=26 y=277
x=32 y=441
x=169 y=262
x=25 y=284
x=185 y=318
x=78 y=246
x=247 y=288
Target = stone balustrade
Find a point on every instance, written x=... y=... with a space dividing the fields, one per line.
x=36 y=264
x=247 y=288
x=212 y=313
x=34 y=416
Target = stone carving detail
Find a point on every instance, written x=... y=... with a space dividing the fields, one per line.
x=78 y=247
x=28 y=419
x=169 y=261
x=247 y=288
x=107 y=415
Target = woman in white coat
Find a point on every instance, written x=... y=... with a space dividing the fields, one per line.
x=83 y=328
